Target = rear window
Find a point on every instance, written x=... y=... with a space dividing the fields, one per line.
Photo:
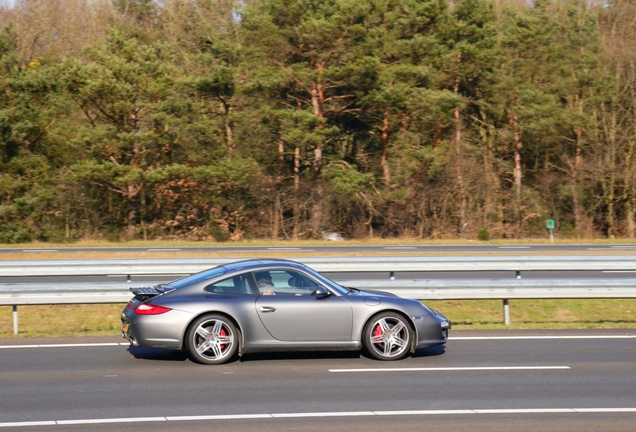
x=197 y=277
x=242 y=284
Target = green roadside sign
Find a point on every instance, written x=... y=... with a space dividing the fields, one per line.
x=549 y=224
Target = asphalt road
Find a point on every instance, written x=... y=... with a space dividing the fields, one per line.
x=527 y=380
x=348 y=249
x=31 y=253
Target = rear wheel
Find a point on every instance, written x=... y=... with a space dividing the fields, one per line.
x=212 y=339
x=388 y=336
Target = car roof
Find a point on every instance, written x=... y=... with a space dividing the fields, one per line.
x=256 y=264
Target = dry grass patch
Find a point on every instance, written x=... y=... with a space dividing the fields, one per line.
x=62 y=320
x=539 y=314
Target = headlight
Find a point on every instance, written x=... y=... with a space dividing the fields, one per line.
x=444 y=322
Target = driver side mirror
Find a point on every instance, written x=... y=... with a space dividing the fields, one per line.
x=321 y=292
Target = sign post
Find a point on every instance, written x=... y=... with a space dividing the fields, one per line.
x=549 y=224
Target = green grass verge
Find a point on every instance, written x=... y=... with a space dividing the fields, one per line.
x=539 y=314
x=103 y=320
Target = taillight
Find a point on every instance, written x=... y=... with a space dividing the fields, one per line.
x=150 y=309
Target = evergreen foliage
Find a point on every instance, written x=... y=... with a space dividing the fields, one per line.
x=215 y=119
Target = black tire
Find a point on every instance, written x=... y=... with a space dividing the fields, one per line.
x=388 y=336
x=212 y=339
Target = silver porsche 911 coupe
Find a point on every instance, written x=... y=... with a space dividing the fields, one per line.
x=276 y=305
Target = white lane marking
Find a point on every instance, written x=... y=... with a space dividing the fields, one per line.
x=283 y=248
x=321 y=414
x=515 y=247
x=453 y=369
x=111 y=420
x=219 y=417
x=619 y=271
x=623 y=247
x=164 y=249
x=399 y=247
x=32 y=423
x=540 y=337
x=38 y=250
x=524 y=411
x=423 y=412
x=607 y=410
x=324 y=414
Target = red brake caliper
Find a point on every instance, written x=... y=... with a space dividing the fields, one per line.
x=222 y=333
x=377 y=331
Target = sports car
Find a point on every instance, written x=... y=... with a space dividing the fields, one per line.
x=276 y=305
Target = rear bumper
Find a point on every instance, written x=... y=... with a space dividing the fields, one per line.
x=155 y=331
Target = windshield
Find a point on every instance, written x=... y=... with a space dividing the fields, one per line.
x=328 y=282
x=197 y=277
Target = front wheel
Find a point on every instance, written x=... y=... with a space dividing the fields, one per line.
x=212 y=339
x=388 y=336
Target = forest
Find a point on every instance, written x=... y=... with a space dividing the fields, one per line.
x=222 y=120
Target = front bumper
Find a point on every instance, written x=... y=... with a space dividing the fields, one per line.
x=432 y=329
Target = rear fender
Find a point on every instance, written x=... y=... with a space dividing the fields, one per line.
x=231 y=318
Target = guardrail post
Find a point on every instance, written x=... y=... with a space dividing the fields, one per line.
x=392 y=275
x=15 y=319
x=506 y=309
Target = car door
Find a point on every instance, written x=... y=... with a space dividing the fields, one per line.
x=294 y=313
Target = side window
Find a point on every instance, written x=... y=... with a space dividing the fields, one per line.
x=240 y=284
x=284 y=282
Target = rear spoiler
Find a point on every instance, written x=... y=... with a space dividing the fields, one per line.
x=146 y=293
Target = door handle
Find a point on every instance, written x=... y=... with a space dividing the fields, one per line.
x=267 y=309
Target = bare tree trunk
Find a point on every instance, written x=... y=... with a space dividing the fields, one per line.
x=296 y=206
x=487 y=195
x=438 y=138
x=630 y=184
x=228 y=135
x=611 y=168
x=133 y=191
x=276 y=216
x=574 y=175
x=517 y=173
x=458 y=166
x=630 y=165
x=385 y=144
x=317 y=97
x=226 y=106
x=318 y=192
x=277 y=211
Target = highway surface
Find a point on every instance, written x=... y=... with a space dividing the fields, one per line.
x=336 y=248
x=264 y=251
x=576 y=380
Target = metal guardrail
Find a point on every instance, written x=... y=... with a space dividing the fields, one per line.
x=331 y=264
x=448 y=289
x=501 y=289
